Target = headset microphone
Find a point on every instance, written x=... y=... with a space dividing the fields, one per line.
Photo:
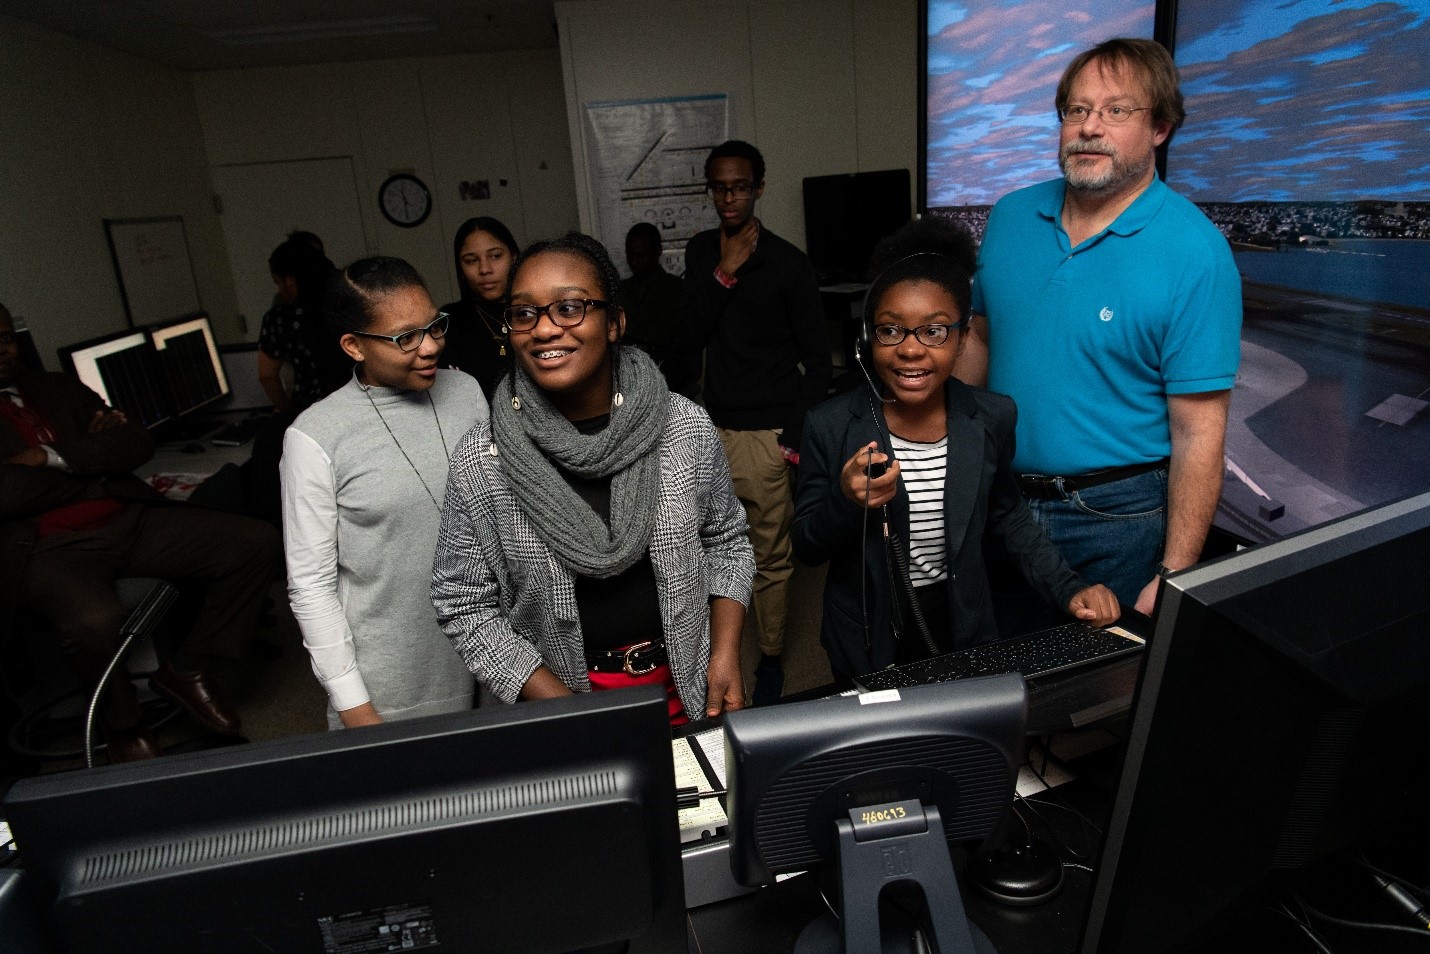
x=859 y=360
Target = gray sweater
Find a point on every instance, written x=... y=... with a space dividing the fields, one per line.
x=359 y=532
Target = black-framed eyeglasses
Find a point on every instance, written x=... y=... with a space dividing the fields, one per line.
x=567 y=313
x=412 y=340
x=1112 y=115
x=929 y=335
x=740 y=190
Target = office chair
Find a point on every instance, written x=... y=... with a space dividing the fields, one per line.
x=52 y=707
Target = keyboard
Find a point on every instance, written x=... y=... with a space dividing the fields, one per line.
x=1038 y=653
x=186 y=431
x=238 y=433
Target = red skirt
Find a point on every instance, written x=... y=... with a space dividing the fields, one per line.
x=659 y=676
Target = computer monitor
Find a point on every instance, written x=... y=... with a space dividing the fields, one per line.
x=846 y=215
x=542 y=827
x=240 y=365
x=189 y=360
x=1280 y=715
x=878 y=784
x=121 y=368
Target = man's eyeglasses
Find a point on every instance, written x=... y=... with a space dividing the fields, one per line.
x=931 y=336
x=412 y=340
x=567 y=313
x=1112 y=115
x=740 y=190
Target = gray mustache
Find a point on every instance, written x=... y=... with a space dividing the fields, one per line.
x=1099 y=148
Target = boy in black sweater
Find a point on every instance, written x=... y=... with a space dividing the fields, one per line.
x=752 y=303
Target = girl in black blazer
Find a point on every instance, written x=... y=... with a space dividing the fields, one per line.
x=927 y=457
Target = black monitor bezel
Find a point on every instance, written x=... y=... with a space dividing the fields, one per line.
x=1322 y=704
x=216 y=355
x=69 y=820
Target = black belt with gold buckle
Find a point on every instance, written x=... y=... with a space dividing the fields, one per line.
x=1041 y=487
x=637 y=660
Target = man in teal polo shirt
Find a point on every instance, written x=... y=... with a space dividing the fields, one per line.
x=1112 y=315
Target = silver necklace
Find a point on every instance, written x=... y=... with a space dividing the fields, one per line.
x=433 y=405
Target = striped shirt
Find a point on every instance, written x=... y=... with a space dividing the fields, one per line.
x=922 y=467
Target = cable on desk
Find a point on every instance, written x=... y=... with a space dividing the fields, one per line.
x=1056 y=799
x=1301 y=923
x=1362 y=925
x=1360 y=859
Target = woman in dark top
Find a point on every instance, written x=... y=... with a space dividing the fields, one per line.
x=591 y=537
x=484 y=250
x=942 y=476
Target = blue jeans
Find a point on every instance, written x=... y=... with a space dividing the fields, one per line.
x=1111 y=534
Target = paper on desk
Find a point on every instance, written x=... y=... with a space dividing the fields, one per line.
x=707 y=817
x=712 y=743
x=1052 y=774
x=176 y=486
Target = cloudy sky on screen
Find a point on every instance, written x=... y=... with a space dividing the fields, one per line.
x=1304 y=100
x=1286 y=99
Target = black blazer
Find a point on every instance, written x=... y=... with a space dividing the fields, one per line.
x=980 y=492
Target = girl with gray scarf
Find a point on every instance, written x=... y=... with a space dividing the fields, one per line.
x=590 y=536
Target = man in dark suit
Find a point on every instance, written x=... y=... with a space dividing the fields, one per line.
x=73 y=518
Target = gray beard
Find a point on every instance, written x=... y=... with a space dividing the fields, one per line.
x=1119 y=174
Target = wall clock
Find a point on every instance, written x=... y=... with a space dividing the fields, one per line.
x=405 y=200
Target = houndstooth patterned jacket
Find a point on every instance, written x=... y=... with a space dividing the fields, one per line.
x=509 y=606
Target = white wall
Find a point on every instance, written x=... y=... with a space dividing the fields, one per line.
x=85 y=135
x=820 y=86
x=445 y=119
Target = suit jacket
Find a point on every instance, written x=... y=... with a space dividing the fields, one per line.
x=100 y=466
x=980 y=493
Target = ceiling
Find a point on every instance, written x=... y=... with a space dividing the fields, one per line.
x=196 y=35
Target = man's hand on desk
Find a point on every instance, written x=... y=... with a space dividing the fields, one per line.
x=1096 y=605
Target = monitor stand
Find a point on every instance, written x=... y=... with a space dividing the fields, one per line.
x=897 y=847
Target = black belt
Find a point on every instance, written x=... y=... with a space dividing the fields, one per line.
x=1040 y=487
x=635 y=660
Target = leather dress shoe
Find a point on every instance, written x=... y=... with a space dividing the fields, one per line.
x=197 y=696
x=129 y=745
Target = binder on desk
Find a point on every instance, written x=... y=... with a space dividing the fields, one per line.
x=700 y=764
x=704 y=835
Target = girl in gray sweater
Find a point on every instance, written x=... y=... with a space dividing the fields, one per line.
x=364 y=473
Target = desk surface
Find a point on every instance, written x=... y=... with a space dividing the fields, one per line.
x=175 y=472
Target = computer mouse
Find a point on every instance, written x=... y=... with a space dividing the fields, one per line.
x=1020 y=875
x=193 y=449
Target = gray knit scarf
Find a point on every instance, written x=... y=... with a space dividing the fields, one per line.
x=536 y=438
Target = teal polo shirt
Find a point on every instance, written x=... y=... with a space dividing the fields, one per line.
x=1090 y=341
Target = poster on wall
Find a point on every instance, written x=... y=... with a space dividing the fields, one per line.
x=151 y=261
x=991 y=69
x=646 y=163
x=1306 y=142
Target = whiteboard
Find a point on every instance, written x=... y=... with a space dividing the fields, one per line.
x=156 y=276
